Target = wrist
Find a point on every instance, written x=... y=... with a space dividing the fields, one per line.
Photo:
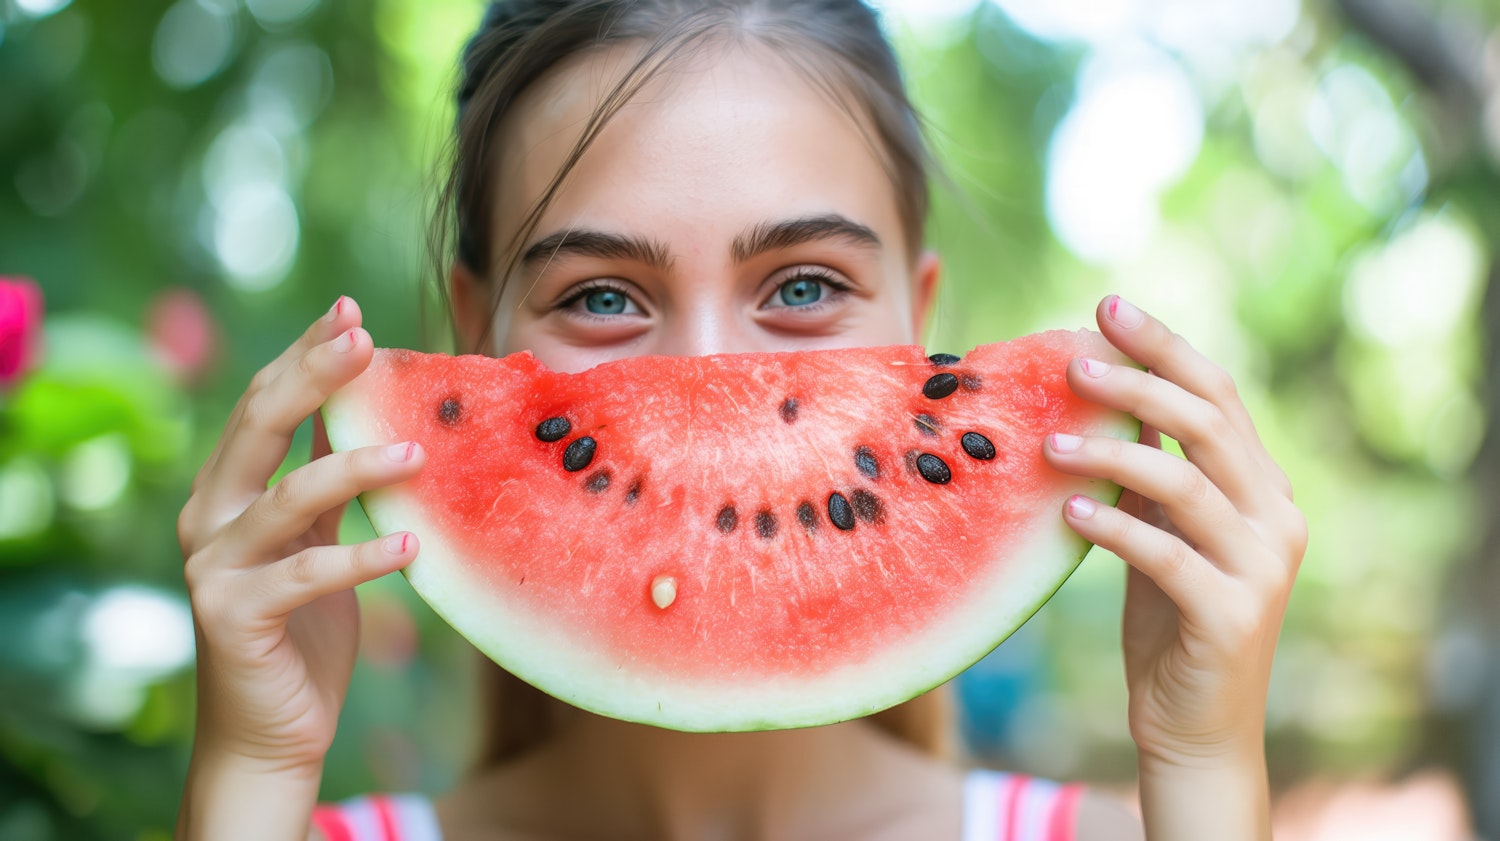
x=231 y=796
x=1221 y=795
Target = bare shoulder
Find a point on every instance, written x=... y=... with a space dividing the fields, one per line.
x=1103 y=818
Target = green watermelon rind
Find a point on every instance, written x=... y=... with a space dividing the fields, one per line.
x=577 y=674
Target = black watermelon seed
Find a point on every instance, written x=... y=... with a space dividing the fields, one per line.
x=839 y=512
x=867 y=507
x=598 y=483
x=789 y=410
x=864 y=459
x=553 y=429
x=970 y=382
x=578 y=454
x=926 y=424
x=727 y=519
x=807 y=515
x=765 y=525
x=450 y=412
x=634 y=493
x=933 y=469
x=941 y=359
x=978 y=446
x=939 y=386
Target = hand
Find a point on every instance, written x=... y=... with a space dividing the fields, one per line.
x=276 y=618
x=1213 y=541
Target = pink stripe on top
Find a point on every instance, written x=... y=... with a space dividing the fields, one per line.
x=329 y=820
x=1064 y=819
x=388 y=829
x=1012 y=790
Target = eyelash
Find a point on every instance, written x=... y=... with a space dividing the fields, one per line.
x=582 y=291
x=817 y=273
x=814 y=273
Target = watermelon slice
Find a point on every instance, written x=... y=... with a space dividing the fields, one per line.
x=735 y=542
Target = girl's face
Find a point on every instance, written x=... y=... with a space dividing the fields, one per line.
x=729 y=207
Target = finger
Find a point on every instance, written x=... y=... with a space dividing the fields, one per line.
x=1181 y=573
x=1198 y=509
x=258 y=444
x=1207 y=437
x=1148 y=341
x=343 y=315
x=293 y=504
x=319 y=571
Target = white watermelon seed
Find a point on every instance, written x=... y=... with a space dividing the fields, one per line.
x=663 y=591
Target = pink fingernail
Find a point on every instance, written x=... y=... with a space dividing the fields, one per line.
x=1064 y=443
x=335 y=310
x=396 y=543
x=1124 y=313
x=1081 y=507
x=401 y=452
x=1094 y=367
x=345 y=342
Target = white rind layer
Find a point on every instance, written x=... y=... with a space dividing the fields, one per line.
x=562 y=662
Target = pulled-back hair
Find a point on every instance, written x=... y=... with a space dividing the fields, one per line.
x=836 y=44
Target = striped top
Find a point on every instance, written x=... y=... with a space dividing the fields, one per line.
x=997 y=807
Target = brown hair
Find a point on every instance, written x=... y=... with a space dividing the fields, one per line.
x=836 y=44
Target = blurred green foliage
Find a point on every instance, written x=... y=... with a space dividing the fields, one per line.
x=1326 y=234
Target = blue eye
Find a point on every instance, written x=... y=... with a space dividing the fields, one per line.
x=801 y=291
x=605 y=302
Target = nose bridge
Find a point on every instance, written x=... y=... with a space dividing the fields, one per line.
x=705 y=318
x=704 y=323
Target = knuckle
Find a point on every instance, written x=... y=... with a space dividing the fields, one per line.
x=1193 y=488
x=1176 y=558
x=301 y=569
x=1221 y=386
x=262 y=380
x=1297 y=533
x=307 y=366
x=257 y=411
x=187 y=528
x=284 y=494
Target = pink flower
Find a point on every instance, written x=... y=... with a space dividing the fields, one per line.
x=182 y=333
x=20 y=327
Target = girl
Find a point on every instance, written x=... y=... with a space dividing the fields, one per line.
x=692 y=177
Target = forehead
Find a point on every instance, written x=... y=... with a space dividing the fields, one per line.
x=728 y=136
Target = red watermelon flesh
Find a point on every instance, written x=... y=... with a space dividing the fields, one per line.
x=754 y=540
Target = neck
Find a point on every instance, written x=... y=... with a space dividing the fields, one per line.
x=709 y=785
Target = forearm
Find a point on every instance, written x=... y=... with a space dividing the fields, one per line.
x=1225 y=799
x=230 y=798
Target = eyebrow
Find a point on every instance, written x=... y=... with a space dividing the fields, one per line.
x=765 y=237
x=787 y=233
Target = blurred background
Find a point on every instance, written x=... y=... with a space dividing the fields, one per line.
x=1307 y=189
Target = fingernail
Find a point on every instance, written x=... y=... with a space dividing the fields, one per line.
x=1081 y=507
x=1124 y=313
x=336 y=309
x=401 y=452
x=396 y=543
x=1094 y=367
x=345 y=342
x=1064 y=443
